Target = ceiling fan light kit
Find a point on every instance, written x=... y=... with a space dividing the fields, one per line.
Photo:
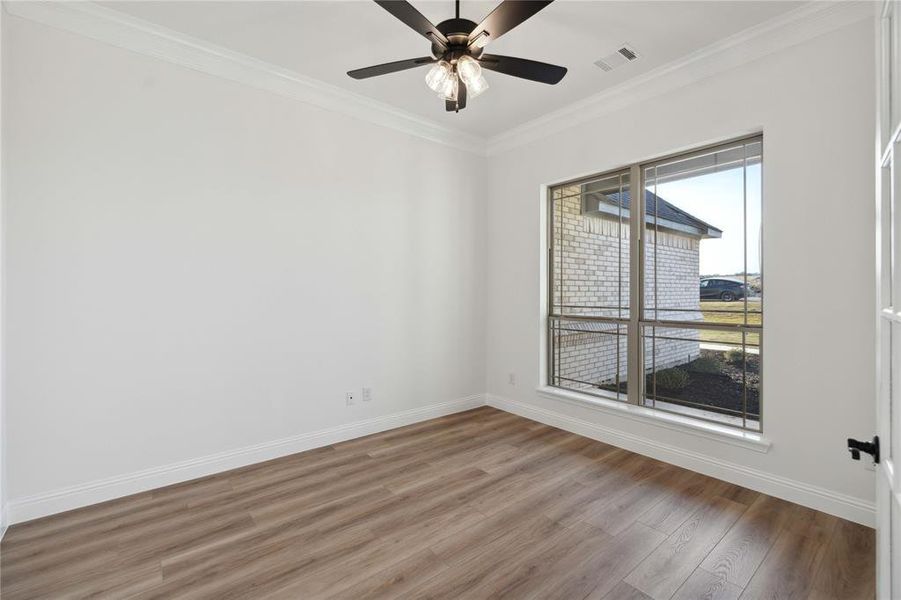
x=446 y=79
x=469 y=69
x=456 y=44
x=438 y=74
x=450 y=89
x=477 y=86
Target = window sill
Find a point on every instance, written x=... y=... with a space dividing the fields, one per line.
x=696 y=427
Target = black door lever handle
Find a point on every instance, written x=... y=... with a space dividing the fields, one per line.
x=855 y=447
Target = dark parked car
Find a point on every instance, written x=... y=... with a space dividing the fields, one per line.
x=722 y=289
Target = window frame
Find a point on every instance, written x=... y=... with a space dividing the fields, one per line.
x=636 y=323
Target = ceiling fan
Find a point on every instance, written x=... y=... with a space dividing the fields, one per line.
x=457 y=51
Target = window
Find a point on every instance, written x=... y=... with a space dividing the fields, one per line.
x=659 y=303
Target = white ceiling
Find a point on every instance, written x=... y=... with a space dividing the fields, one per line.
x=324 y=40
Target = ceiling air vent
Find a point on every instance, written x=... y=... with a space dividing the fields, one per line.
x=625 y=54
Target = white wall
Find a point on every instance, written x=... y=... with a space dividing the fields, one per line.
x=195 y=266
x=814 y=103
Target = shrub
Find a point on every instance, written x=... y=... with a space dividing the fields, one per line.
x=672 y=379
x=753 y=362
x=735 y=357
x=706 y=364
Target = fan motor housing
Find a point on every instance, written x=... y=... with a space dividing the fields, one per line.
x=457 y=33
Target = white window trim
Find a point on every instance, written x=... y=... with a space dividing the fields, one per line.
x=705 y=429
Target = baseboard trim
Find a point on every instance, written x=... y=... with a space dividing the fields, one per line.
x=57 y=501
x=847 y=507
x=41 y=505
x=4 y=521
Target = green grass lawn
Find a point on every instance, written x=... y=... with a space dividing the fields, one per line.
x=708 y=309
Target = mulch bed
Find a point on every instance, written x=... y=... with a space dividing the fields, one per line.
x=719 y=390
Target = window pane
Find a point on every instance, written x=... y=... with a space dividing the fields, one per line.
x=889 y=396
x=703 y=243
x=700 y=327
x=894 y=82
x=589 y=356
x=591 y=247
x=717 y=381
x=887 y=242
x=895 y=216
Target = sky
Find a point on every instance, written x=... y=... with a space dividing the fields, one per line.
x=717 y=199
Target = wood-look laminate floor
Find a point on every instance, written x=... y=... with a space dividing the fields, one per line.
x=481 y=504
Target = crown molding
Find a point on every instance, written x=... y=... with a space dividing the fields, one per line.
x=794 y=27
x=124 y=31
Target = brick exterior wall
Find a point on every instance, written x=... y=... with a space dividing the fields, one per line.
x=591 y=270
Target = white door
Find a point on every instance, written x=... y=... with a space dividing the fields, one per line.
x=888 y=294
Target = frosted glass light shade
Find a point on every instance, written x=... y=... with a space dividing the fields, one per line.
x=449 y=89
x=469 y=70
x=438 y=75
x=477 y=86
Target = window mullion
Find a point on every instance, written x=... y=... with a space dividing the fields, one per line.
x=552 y=308
x=634 y=348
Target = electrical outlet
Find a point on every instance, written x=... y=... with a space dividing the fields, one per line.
x=367 y=394
x=350 y=398
x=511 y=378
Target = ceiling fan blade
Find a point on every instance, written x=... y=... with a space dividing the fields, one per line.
x=404 y=11
x=391 y=67
x=450 y=105
x=507 y=15
x=523 y=68
x=461 y=96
